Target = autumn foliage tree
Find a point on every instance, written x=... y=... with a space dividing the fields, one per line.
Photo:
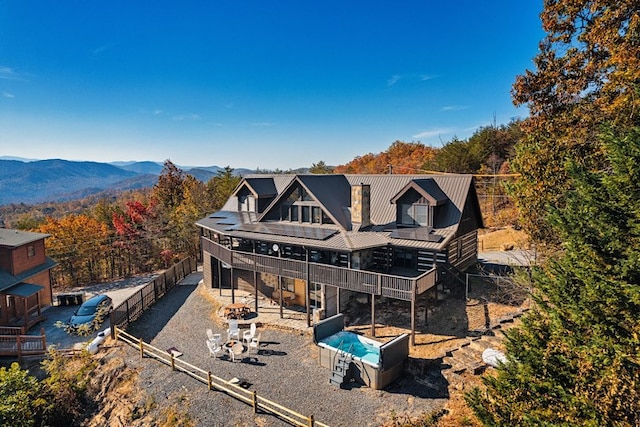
x=400 y=158
x=135 y=238
x=78 y=243
x=586 y=74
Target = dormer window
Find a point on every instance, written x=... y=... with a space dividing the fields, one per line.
x=416 y=214
x=417 y=203
x=247 y=203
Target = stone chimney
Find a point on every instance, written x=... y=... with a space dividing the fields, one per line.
x=361 y=204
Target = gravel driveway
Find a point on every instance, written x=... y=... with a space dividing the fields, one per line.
x=286 y=371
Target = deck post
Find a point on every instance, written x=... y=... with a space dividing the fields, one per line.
x=307 y=291
x=255 y=273
x=233 y=292
x=255 y=281
x=280 y=294
x=413 y=315
x=373 y=315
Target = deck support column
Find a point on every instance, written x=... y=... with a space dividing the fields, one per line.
x=233 y=292
x=307 y=291
x=280 y=294
x=413 y=314
x=255 y=284
x=220 y=276
x=255 y=273
x=373 y=315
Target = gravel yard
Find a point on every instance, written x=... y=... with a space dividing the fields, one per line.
x=285 y=370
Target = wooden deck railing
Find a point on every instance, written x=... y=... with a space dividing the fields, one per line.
x=14 y=343
x=370 y=282
x=213 y=382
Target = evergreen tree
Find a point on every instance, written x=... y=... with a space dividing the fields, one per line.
x=575 y=358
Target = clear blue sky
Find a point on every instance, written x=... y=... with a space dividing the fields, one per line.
x=256 y=83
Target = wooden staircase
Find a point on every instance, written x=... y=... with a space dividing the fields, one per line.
x=340 y=374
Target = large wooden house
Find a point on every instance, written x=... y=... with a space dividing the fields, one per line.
x=25 y=279
x=315 y=240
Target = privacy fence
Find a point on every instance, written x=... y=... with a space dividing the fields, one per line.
x=258 y=403
x=133 y=307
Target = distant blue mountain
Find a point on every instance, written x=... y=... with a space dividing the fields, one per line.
x=55 y=180
x=140 y=167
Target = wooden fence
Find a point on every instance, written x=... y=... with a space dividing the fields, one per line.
x=213 y=382
x=14 y=343
x=133 y=307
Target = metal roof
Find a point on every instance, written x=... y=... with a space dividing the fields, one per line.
x=333 y=193
x=260 y=187
x=427 y=188
x=23 y=290
x=14 y=238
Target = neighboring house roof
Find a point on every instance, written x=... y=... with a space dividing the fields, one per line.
x=8 y=280
x=333 y=194
x=14 y=238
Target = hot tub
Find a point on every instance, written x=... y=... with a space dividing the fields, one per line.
x=374 y=364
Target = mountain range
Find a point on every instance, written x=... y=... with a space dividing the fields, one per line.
x=35 y=181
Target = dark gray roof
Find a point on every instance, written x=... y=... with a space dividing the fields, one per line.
x=262 y=187
x=333 y=192
x=427 y=188
x=23 y=290
x=7 y=279
x=15 y=238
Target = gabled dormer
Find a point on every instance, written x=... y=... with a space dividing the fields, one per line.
x=312 y=199
x=417 y=203
x=255 y=194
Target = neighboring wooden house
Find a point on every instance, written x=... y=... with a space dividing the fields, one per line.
x=25 y=279
x=321 y=238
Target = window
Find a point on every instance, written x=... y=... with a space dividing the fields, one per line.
x=293 y=211
x=31 y=251
x=405 y=215
x=417 y=214
x=316 y=216
x=306 y=216
x=247 y=203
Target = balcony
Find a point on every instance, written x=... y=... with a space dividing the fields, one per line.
x=374 y=283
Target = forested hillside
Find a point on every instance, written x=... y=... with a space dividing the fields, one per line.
x=97 y=239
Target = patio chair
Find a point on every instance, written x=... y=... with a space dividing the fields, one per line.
x=247 y=336
x=214 y=338
x=235 y=352
x=255 y=343
x=214 y=349
x=234 y=330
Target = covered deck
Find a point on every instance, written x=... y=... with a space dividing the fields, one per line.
x=368 y=282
